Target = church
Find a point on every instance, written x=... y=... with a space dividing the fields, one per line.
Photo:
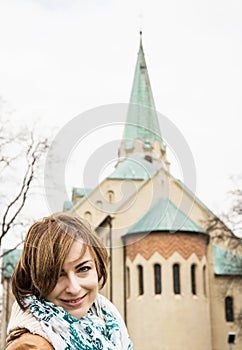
x=175 y=270
x=176 y=281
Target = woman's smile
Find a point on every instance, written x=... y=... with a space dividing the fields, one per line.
x=73 y=302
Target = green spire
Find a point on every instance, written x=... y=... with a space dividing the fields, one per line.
x=142 y=121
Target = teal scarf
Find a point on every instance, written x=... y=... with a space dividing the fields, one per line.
x=101 y=329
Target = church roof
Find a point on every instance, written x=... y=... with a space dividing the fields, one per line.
x=9 y=261
x=165 y=216
x=136 y=167
x=82 y=192
x=67 y=206
x=142 y=121
x=79 y=192
x=226 y=262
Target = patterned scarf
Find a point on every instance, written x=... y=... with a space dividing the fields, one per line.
x=101 y=329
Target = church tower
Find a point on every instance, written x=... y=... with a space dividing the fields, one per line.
x=142 y=130
x=164 y=247
x=167 y=272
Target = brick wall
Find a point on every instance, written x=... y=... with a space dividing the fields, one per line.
x=166 y=244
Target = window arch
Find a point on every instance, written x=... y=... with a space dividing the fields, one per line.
x=140 y=280
x=99 y=204
x=157 y=278
x=110 y=195
x=229 y=309
x=193 y=279
x=88 y=215
x=176 y=279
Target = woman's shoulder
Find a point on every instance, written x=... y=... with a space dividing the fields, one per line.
x=20 y=319
x=22 y=339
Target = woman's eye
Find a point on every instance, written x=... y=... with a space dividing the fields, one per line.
x=84 y=269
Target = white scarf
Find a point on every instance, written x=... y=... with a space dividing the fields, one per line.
x=101 y=329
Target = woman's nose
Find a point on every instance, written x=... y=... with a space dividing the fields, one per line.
x=73 y=285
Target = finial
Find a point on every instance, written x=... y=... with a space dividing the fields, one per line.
x=140 y=28
x=141 y=46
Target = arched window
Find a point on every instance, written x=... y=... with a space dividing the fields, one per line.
x=204 y=281
x=229 y=309
x=148 y=158
x=140 y=280
x=157 y=278
x=176 y=279
x=88 y=215
x=193 y=279
x=99 y=204
x=110 y=196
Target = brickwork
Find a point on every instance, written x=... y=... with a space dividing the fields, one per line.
x=166 y=244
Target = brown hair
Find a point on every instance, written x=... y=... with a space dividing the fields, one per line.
x=46 y=246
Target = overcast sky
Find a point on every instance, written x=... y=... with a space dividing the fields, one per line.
x=59 y=58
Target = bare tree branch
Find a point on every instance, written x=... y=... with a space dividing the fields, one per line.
x=24 y=150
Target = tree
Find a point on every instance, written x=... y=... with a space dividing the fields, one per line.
x=227 y=226
x=233 y=217
x=20 y=156
x=226 y=231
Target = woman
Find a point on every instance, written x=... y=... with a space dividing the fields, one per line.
x=56 y=283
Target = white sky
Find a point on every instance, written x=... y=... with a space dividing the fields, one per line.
x=61 y=58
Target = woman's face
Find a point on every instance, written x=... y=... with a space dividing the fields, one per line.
x=77 y=286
